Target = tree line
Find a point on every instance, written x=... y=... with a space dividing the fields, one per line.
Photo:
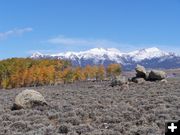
x=26 y=72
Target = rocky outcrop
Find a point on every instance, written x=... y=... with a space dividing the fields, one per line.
x=28 y=99
x=156 y=75
x=142 y=75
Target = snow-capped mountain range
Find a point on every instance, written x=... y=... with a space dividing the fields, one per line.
x=150 y=58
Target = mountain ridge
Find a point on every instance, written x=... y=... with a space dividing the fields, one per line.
x=150 y=57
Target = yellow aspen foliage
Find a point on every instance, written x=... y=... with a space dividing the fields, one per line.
x=78 y=74
x=100 y=72
x=113 y=70
x=95 y=72
x=88 y=72
x=67 y=75
x=21 y=72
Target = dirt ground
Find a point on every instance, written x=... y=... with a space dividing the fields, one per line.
x=94 y=108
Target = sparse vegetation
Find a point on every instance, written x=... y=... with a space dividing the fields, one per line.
x=78 y=108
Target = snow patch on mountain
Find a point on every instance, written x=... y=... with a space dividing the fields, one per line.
x=148 y=53
x=37 y=55
x=150 y=57
x=110 y=53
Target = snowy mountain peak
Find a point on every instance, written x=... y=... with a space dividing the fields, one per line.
x=110 y=53
x=103 y=51
x=97 y=50
x=97 y=56
x=148 y=53
x=37 y=55
x=152 y=49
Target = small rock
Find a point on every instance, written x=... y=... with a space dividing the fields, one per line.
x=138 y=80
x=28 y=99
x=156 y=75
x=164 y=81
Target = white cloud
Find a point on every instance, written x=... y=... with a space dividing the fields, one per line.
x=80 y=43
x=61 y=40
x=14 y=32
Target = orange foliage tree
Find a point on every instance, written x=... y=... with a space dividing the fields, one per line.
x=100 y=74
x=113 y=70
x=20 y=72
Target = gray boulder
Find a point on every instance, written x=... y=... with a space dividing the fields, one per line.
x=28 y=99
x=118 y=81
x=156 y=75
x=140 y=71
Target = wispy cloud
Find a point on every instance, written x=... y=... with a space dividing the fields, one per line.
x=83 y=43
x=71 y=43
x=14 y=32
x=62 y=40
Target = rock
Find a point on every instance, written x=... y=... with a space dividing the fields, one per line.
x=164 y=81
x=140 y=71
x=28 y=99
x=118 y=81
x=156 y=75
x=138 y=80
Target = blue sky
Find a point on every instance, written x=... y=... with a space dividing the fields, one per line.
x=52 y=26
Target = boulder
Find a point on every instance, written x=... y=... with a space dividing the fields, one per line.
x=28 y=99
x=140 y=71
x=138 y=80
x=156 y=75
x=118 y=81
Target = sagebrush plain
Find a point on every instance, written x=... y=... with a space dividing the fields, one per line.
x=94 y=108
